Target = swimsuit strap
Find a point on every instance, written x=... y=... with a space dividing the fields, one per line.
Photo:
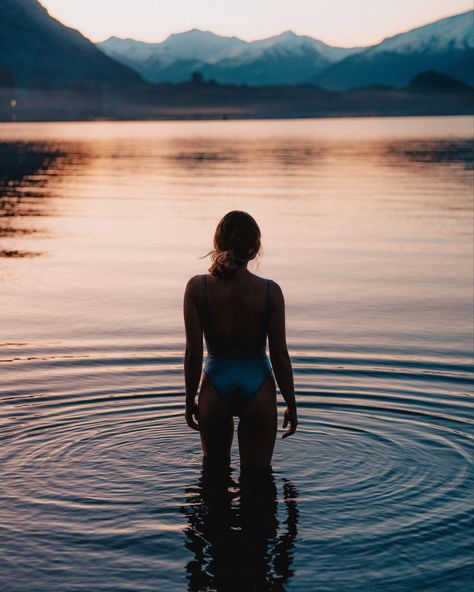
x=268 y=308
x=204 y=289
x=205 y=301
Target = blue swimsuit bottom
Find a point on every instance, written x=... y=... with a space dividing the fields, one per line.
x=236 y=371
x=237 y=380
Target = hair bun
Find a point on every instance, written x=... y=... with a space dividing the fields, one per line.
x=236 y=242
x=224 y=263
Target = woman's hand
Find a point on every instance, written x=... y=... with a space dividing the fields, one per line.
x=291 y=418
x=192 y=414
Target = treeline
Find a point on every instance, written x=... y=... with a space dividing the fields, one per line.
x=429 y=94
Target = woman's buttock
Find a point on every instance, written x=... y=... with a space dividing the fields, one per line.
x=237 y=380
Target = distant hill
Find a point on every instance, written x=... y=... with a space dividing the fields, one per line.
x=435 y=82
x=445 y=46
x=284 y=59
x=429 y=93
x=37 y=50
x=290 y=59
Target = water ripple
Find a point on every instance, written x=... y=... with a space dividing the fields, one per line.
x=95 y=454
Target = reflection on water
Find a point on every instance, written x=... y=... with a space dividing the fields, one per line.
x=30 y=176
x=234 y=532
x=22 y=164
x=367 y=226
x=439 y=152
x=209 y=153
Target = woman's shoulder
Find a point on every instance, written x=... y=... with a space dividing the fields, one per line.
x=194 y=284
x=273 y=284
x=270 y=282
x=275 y=289
x=194 y=280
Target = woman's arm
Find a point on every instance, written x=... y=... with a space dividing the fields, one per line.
x=194 y=350
x=281 y=360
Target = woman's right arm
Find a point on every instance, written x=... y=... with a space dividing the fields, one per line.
x=194 y=350
x=280 y=359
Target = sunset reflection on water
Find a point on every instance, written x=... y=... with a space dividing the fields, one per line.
x=367 y=226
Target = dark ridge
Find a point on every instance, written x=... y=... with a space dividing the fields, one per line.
x=38 y=51
x=436 y=82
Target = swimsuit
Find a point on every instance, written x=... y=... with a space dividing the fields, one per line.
x=236 y=369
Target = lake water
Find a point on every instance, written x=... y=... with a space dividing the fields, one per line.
x=367 y=226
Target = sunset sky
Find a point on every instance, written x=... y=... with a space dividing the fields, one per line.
x=338 y=22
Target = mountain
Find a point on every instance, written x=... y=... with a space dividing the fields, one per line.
x=175 y=59
x=445 y=46
x=283 y=59
x=200 y=45
x=288 y=59
x=435 y=82
x=37 y=50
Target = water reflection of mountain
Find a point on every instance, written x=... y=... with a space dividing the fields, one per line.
x=435 y=152
x=240 y=534
x=210 y=153
x=213 y=154
x=23 y=176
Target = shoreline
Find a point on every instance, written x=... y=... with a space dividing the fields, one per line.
x=242 y=117
x=209 y=102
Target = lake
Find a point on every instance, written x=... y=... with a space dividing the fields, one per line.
x=367 y=226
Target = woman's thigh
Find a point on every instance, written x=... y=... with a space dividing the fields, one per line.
x=215 y=423
x=258 y=427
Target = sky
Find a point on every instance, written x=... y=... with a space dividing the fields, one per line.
x=344 y=23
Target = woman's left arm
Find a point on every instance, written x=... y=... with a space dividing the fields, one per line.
x=194 y=350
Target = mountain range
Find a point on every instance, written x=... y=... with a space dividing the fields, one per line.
x=290 y=59
x=37 y=50
x=284 y=59
x=51 y=72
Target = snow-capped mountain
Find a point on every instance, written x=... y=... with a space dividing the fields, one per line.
x=445 y=46
x=204 y=46
x=173 y=60
x=283 y=59
x=452 y=33
x=289 y=43
x=128 y=49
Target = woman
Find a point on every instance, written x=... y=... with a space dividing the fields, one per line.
x=236 y=311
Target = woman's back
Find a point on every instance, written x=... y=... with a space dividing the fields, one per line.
x=236 y=310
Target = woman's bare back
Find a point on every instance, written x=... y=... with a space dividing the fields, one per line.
x=237 y=305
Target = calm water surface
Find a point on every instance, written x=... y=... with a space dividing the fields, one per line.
x=367 y=226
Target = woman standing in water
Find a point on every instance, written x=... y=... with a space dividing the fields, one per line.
x=236 y=311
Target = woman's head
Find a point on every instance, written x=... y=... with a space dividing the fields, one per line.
x=236 y=242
